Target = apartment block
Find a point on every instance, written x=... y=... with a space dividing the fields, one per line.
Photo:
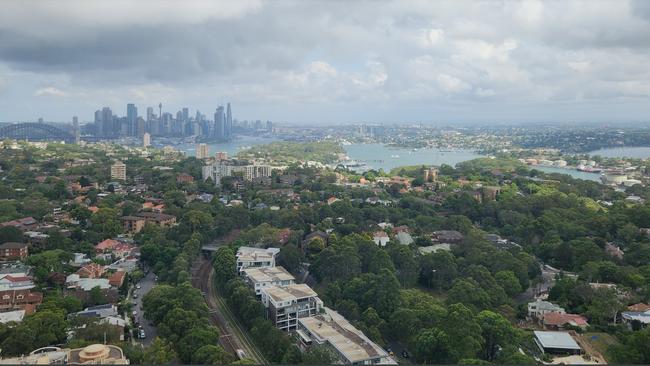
x=262 y=277
x=285 y=305
x=248 y=257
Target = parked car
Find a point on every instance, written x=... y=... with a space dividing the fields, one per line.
x=135 y=295
x=137 y=286
x=142 y=334
x=405 y=354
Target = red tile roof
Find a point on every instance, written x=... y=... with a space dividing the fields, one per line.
x=557 y=319
x=106 y=244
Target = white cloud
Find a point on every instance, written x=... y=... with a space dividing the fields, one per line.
x=50 y=91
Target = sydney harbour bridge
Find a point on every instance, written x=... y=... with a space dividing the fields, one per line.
x=36 y=131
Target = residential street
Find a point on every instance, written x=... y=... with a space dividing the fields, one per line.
x=146 y=284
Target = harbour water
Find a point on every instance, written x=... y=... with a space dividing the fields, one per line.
x=379 y=156
x=572 y=172
x=637 y=152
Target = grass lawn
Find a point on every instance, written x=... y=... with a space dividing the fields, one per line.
x=600 y=341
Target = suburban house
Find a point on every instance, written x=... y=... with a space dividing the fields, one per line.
x=404 y=238
x=99 y=311
x=286 y=304
x=380 y=238
x=447 y=236
x=636 y=319
x=12 y=250
x=10 y=282
x=91 y=270
x=556 y=343
x=248 y=257
x=24 y=224
x=79 y=259
x=117 y=278
x=262 y=277
x=333 y=331
x=74 y=281
x=15 y=269
x=537 y=309
x=559 y=321
x=117 y=248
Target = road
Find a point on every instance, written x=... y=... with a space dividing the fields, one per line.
x=232 y=335
x=146 y=284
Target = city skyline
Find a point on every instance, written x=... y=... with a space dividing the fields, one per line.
x=409 y=61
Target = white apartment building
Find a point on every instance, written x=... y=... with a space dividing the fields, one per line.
x=118 y=171
x=262 y=277
x=248 y=257
x=285 y=305
x=216 y=171
x=350 y=344
x=222 y=168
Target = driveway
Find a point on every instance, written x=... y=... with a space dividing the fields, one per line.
x=146 y=284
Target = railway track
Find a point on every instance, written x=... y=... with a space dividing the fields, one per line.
x=233 y=335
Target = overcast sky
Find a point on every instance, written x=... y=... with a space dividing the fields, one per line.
x=329 y=62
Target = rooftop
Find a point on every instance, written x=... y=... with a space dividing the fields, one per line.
x=256 y=254
x=289 y=293
x=268 y=274
x=349 y=341
x=561 y=340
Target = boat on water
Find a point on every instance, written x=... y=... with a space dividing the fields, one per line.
x=588 y=169
x=394 y=156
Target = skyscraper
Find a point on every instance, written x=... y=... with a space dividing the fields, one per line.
x=75 y=127
x=228 y=127
x=146 y=140
x=107 y=124
x=219 y=124
x=132 y=119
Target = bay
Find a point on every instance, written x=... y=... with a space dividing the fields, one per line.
x=379 y=156
x=572 y=172
x=636 y=152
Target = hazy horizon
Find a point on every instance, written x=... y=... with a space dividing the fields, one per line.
x=443 y=62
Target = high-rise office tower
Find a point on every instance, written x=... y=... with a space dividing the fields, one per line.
x=149 y=114
x=75 y=127
x=107 y=123
x=219 y=124
x=132 y=119
x=146 y=140
x=140 y=126
x=228 y=127
x=186 y=114
x=166 y=126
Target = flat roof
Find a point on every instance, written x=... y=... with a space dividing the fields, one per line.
x=268 y=274
x=256 y=254
x=289 y=293
x=561 y=340
x=349 y=341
